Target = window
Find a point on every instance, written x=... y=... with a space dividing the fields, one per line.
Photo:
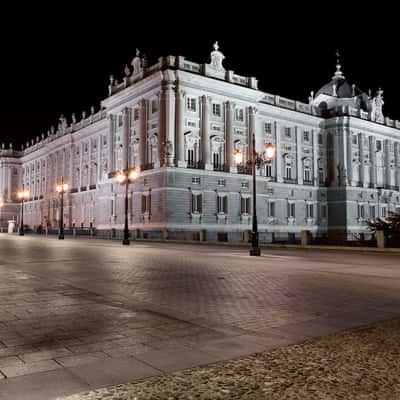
x=191 y=104
x=154 y=106
x=216 y=109
x=192 y=124
x=306 y=136
x=268 y=128
x=288 y=171
x=355 y=139
x=372 y=212
x=288 y=132
x=321 y=176
x=360 y=210
x=105 y=141
x=221 y=182
x=196 y=180
x=239 y=114
x=383 y=212
x=245 y=185
x=310 y=210
x=378 y=145
x=120 y=120
x=216 y=160
x=245 y=205
x=307 y=175
x=146 y=203
x=291 y=210
x=268 y=170
x=323 y=211
x=190 y=157
x=271 y=209
x=135 y=114
x=320 y=139
x=222 y=204
x=197 y=199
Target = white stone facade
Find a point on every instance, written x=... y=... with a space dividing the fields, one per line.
x=179 y=123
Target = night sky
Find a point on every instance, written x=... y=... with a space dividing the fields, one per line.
x=58 y=60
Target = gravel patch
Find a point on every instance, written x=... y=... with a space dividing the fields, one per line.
x=362 y=363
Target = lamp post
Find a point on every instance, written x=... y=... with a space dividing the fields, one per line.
x=61 y=189
x=256 y=161
x=22 y=195
x=124 y=178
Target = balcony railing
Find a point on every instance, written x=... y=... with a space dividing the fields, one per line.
x=144 y=167
x=371 y=185
x=289 y=180
x=309 y=183
x=244 y=169
x=73 y=190
x=92 y=187
x=83 y=188
x=391 y=187
x=221 y=167
x=195 y=164
x=271 y=178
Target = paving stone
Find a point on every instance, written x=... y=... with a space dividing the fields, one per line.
x=44 y=355
x=80 y=359
x=29 y=368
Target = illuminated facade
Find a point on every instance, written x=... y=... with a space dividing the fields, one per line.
x=178 y=122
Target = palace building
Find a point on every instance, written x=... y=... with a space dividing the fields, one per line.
x=337 y=161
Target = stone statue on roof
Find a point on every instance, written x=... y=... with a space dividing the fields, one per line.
x=376 y=107
x=137 y=63
x=217 y=58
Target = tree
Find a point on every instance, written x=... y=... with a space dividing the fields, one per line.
x=390 y=226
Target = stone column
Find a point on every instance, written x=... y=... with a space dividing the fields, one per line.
x=80 y=164
x=205 y=132
x=9 y=195
x=362 y=156
x=99 y=166
x=386 y=149
x=372 y=146
x=89 y=169
x=111 y=134
x=397 y=163
x=278 y=152
x=250 y=130
x=229 y=137
x=170 y=125
x=315 y=156
x=71 y=165
x=349 y=148
x=179 y=134
x=125 y=137
x=161 y=97
x=143 y=133
x=299 y=155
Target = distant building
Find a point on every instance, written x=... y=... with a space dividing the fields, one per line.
x=179 y=123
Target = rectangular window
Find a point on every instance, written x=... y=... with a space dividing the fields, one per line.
x=323 y=211
x=221 y=182
x=360 y=210
x=245 y=205
x=321 y=176
x=383 y=212
x=239 y=114
x=191 y=104
x=271 y=209
x=307 y=175
x=268 y=128
x=291 y=210
x=135 y=114
x=268 y=170
x=216 y=109
x=372 y=212
x=288 y=132
x=306 y=136
x=245 y=185
x=190 y=157
x=355 y=139
x=120 y=120
x=222 y=204
x=154 y=106
x=216 y=161
x=310 y=210
x=196 y=180
x=288 y=172
x=197 y=200
x=378 y=145
x=320 y=139
x=146 y=203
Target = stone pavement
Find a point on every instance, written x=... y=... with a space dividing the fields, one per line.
x=77 y=315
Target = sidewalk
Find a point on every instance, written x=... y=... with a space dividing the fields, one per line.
x=358 y=364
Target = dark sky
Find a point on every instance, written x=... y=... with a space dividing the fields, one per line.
x=58 y=60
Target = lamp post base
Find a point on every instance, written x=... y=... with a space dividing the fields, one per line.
x=255 y=251
x=21 y=233
x=61 y=237
x=126 y=241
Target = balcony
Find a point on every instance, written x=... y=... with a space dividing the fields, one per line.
x=221 y=167
x=308 y=183
x=290 y=180
x=147 y=166
x=244 y=169
x=371 y=185
x=83 y=188
x=92 y=187
x=359 y=184
x=391 y=187
x=195 y=164
x=271 y=178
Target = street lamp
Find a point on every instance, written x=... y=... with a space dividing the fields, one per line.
x=22 y=195
x=256 y=161
x=124 y=177
x=61 y=189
